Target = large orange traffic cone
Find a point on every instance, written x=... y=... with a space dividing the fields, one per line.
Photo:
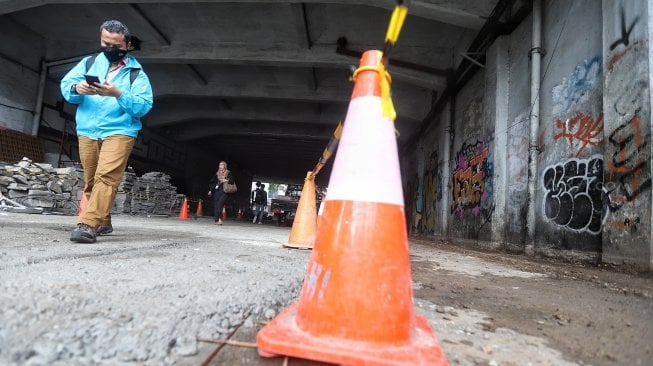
x=199 y=212
x=356 y=304
x=82 y=203
x=183 y=213
x=302 y=234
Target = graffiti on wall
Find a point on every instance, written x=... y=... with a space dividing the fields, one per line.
x=574 y=194
x=576 y=90
x=410 y=203
x=472 y=180
x=432 y=194
x=629 y=144
x=625 y=30
x=581 y=131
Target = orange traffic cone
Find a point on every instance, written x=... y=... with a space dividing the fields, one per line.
x=302 y=234
x=224 y=213
x=183 y=213
x=82 y=203
x=356 y=304
x=199 y=212
x=240 y=214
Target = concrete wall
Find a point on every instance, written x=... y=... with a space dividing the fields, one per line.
x=627 y=110
x=593 y=183
x=570 y=166
x=20 y=56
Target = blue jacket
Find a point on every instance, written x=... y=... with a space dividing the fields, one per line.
x=101 y=116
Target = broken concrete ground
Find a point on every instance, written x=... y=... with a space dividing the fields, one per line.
x=143 y=294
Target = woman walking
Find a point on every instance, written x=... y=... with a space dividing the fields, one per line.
x=221 y=176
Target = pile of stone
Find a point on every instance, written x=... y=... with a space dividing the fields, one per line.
x=39 y=185
x=151 y=194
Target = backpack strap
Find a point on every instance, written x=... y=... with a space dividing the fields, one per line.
x=90 y=61
x=133 y=73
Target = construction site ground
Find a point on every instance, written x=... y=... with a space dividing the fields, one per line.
x=155 y=290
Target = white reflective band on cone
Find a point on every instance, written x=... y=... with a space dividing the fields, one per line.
x=366 y=167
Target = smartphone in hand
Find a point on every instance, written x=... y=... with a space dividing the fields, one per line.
x=92 y=79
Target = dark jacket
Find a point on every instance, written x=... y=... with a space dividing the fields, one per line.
x=214 y=185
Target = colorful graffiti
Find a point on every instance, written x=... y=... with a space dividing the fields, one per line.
x=432 y=194
x=472 y=180
x=574 y=194
x=580 y=131
x=629 y=144
x=577 y=88
x=628 y=164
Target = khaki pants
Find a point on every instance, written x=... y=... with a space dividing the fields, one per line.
x=104 y=162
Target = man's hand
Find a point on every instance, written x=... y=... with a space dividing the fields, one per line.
x=106 y=89
x=85 y=89
x=209 y=193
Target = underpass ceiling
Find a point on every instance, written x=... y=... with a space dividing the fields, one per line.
x=251 y=78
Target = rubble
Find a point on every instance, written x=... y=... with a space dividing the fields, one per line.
x=38 y=185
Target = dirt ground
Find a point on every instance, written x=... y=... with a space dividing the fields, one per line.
x=155 y=289
x=598 y=315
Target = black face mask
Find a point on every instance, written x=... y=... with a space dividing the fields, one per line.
x=113 y=54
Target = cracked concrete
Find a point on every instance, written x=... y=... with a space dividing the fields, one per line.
x=143 y=294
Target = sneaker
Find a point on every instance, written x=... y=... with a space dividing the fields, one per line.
x=104 y=229
x=260 y=223
x=83 y=234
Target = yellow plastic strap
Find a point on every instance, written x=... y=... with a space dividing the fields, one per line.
x=387 y=106
x=396 y=22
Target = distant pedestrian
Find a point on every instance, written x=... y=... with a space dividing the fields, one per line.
x=260 y=198
x=221 y=176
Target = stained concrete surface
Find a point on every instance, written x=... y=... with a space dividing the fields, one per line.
x=143 y=295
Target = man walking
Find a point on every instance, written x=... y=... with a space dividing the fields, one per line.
x=260 y=198
x=108 y=120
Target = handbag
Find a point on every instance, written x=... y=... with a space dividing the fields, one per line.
x=229 y=187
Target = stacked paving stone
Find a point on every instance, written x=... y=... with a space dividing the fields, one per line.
x=152 y=194
x=38 y=185
x=123 y=200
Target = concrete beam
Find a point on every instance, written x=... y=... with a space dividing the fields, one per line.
x=409 y=105
x=204 y=129
x=321 y=56
x=171 y=112
x=451 y=13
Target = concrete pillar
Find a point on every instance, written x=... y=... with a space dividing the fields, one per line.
x=627 y=102
x=497 y=81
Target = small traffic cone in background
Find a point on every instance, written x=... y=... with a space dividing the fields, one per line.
x=199 y=212
x=82 y=203
x=240 y=214
x=356 y=303
x=183 y=213
x=302 y=234
x=224 y=213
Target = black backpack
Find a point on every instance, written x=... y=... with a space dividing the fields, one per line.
x=259 y=196
x=133 y=73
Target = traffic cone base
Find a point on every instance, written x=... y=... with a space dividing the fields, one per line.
x=282 y=336
x=302 y=234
